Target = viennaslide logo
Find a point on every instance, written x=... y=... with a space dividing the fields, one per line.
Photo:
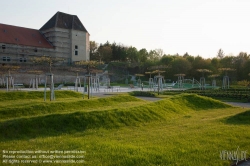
x=234 y=155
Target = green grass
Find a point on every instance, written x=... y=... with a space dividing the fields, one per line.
x=31 y=105
x=17 y=95
x=123 y=130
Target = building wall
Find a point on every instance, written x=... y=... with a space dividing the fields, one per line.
x=63 y=40
x=11 y=53
x=79 y=45
x=60 y=39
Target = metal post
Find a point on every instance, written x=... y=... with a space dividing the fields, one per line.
x=7 y=83
x=88 y=86
x=45 y=88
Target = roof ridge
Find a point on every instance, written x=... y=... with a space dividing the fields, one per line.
x=57 y=15
x=73 y=22
x=18 y=26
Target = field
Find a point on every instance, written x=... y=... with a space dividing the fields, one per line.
x=183 y=129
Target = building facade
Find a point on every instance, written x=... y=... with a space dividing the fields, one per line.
x=63 y=36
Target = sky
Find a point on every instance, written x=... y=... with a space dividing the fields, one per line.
x=199 y=27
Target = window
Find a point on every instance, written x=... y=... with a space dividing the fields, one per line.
x=3 y=47
x=6 y=59
x=76 y=49
x=22 y=60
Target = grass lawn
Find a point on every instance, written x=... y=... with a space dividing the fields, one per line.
x=123 y=130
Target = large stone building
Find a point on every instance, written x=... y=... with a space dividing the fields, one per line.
x=63 y=36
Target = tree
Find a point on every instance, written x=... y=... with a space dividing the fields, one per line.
x=215 y=64
x=166 y=59
x=185 y=55
x=43 y=60
x=190 y=58
x=93 y=50
x=132 y=54
x=181 y=65
x=142 y=55
x=220 y=54
x=155 y=55
x=105 y=53
x=239 y=64
x=227 y=62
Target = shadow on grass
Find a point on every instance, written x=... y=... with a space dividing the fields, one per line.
x=239 y=119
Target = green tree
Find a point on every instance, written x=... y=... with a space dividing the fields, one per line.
x=105 y=53
x=94 y=55
x=239 y=64
x=155 y=55
x=132 y=54
x=166 y=59
x=181 y=65
x=142 y=55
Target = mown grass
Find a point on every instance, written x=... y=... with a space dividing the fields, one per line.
x=25 y=107
x=20 y=95
x=182 y=130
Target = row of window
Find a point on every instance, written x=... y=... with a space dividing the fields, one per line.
x=8 y=59
x=4 y=47
x=35 y=50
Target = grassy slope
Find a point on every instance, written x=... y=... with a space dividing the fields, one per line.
x=32 y=104
x=183 y=130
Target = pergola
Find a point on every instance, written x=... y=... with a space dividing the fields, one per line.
x=35 y=81
x=213 y=76
x=225 y=81
x=180 y=79
x=202 y=79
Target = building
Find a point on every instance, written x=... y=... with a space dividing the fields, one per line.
x=63 y=36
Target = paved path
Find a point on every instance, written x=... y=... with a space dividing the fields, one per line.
x=245 y=105
x=246 y=163
x=148 y=98
x=112 y=94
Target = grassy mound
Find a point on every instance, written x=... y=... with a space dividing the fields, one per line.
x=20 y=95
x=197 y=102
x=43 y=108
x=241 y=118
x=73 y=121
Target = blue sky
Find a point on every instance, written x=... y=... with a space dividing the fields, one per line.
x=199 y=27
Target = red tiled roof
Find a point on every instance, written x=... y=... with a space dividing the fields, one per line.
x=22 y=36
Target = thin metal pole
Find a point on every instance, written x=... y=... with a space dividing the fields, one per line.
x=45 y=88
x=88 y=86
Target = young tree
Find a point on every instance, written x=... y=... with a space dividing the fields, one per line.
x=48 y=61
x=220 y=54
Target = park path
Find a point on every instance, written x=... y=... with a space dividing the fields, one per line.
x=244 y=105
x=244 y=163
x=112 y=94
